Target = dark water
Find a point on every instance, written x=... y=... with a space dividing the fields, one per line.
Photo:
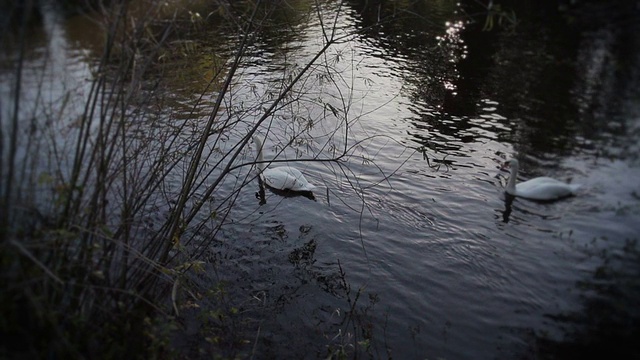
x=447 y=266
x=458 y=272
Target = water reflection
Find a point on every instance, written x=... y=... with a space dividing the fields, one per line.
x=508 y=201
x=604 y=92
x=425 y=238
x=261 y=194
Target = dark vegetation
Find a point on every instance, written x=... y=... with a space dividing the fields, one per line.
x=100 y=256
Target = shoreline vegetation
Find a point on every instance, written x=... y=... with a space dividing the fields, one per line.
x=87 y=273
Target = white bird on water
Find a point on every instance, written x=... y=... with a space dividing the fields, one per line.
x=540 y=188
x=281 y=177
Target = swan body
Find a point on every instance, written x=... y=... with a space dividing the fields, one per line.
x=281 y=177
x=540 y=188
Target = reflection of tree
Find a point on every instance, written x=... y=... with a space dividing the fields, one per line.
x=12 y=14
x=423 y=38
x=605 y=93
x=609 y=325
x=531 y=76
x=453 y=68
x=555 y=78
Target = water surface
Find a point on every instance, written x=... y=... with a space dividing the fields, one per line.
x=447 y=266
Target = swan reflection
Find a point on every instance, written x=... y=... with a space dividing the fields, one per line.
x=261 y=194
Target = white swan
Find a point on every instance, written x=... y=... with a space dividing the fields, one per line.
x=282 y=177
x=540 y=188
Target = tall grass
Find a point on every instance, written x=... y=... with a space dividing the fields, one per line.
x=101 y=224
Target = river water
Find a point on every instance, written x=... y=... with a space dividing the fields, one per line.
x=444 y=264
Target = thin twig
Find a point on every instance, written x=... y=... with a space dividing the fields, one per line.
x=28 y=254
